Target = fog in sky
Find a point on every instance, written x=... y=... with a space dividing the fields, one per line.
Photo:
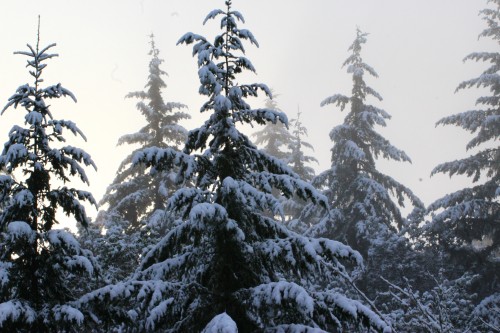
x=416 y=46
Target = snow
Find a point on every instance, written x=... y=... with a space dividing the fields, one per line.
x=205 y=73
x=20 y=229
x=244 y=33
x=232 y=225
x=275 y=293
x=188 y=38
x=356 y=309
x=4 y=272
x=78 y=261
x=57 y=91
x=488 y=311
x=67 y=313
x=161 y=269
x=34 y=118
x=212 y=15
x=60 y=124
x=297 y=328
x=222 y=103
x=59 y=237
x=158 y=312
x=15 y=310
x=15 y=153
x=222 y=323
x=207 y=212
x=238 y=15
x=340 y=100
x=247 y=195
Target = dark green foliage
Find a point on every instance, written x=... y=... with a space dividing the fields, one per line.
x=36 y=260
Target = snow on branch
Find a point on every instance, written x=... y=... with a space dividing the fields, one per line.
x=56 y=91
x=261 y=116
x=22 y=96
x=60 y=124
x=222 y=323
x=157 y=312
x=67 y=313
x=249 y=196
x=187 y=197
x=238 y=15
x=277 y=293
x=354 y=309
x=339 y=100
x=189 y=38
x=80 y=156
x=165 y=159
x=69 y=200
x=246 y=34
x=296 y=328
x=471 y=166
x=487 y=312
x=20 y=229
x=15 y=311
x=213 y=14
x=458 y=205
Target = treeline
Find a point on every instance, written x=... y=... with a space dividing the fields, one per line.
x=203 y=230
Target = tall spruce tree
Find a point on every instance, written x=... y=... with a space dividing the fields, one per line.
x=228 y=266
x=298 y=160
x=287 y=145
x=137 y=197
x=300 y=164
x=274 y=138
x=466 y=223
x=365 y=202
x=135 y=192
x=37 y=262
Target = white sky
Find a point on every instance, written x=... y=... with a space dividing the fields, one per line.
x=416 y=46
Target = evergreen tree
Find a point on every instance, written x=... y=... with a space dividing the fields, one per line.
x=300 y=164
x=466 y=223
x=228 y=265
x=136 y=198
x=365 y=202
x=286 y=145
x=135 y=192
x=298 y=161
x=274 y=137
x=37 y=262
x=444 y=307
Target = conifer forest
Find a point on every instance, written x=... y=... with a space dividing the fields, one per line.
x=230 y=225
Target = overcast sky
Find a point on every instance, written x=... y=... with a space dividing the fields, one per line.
x=416 y=46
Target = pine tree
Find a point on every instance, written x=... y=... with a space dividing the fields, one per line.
x=365 y=202
x=135 y=192
x=136 y=198
x=298 y=161
x=37 y=261
x=274 y=137
x=466 y=223
x=300 y=164
x=287 y=145
x=228 y=264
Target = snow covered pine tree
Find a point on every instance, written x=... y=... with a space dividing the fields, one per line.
x=364 y=215
x=228 y=267
x=136 y=198
x=135 y=193
x=37 y=261
x=274 y=138
x=286 y=146
x=300 y=164
x=467 y=222
x=298 y=161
